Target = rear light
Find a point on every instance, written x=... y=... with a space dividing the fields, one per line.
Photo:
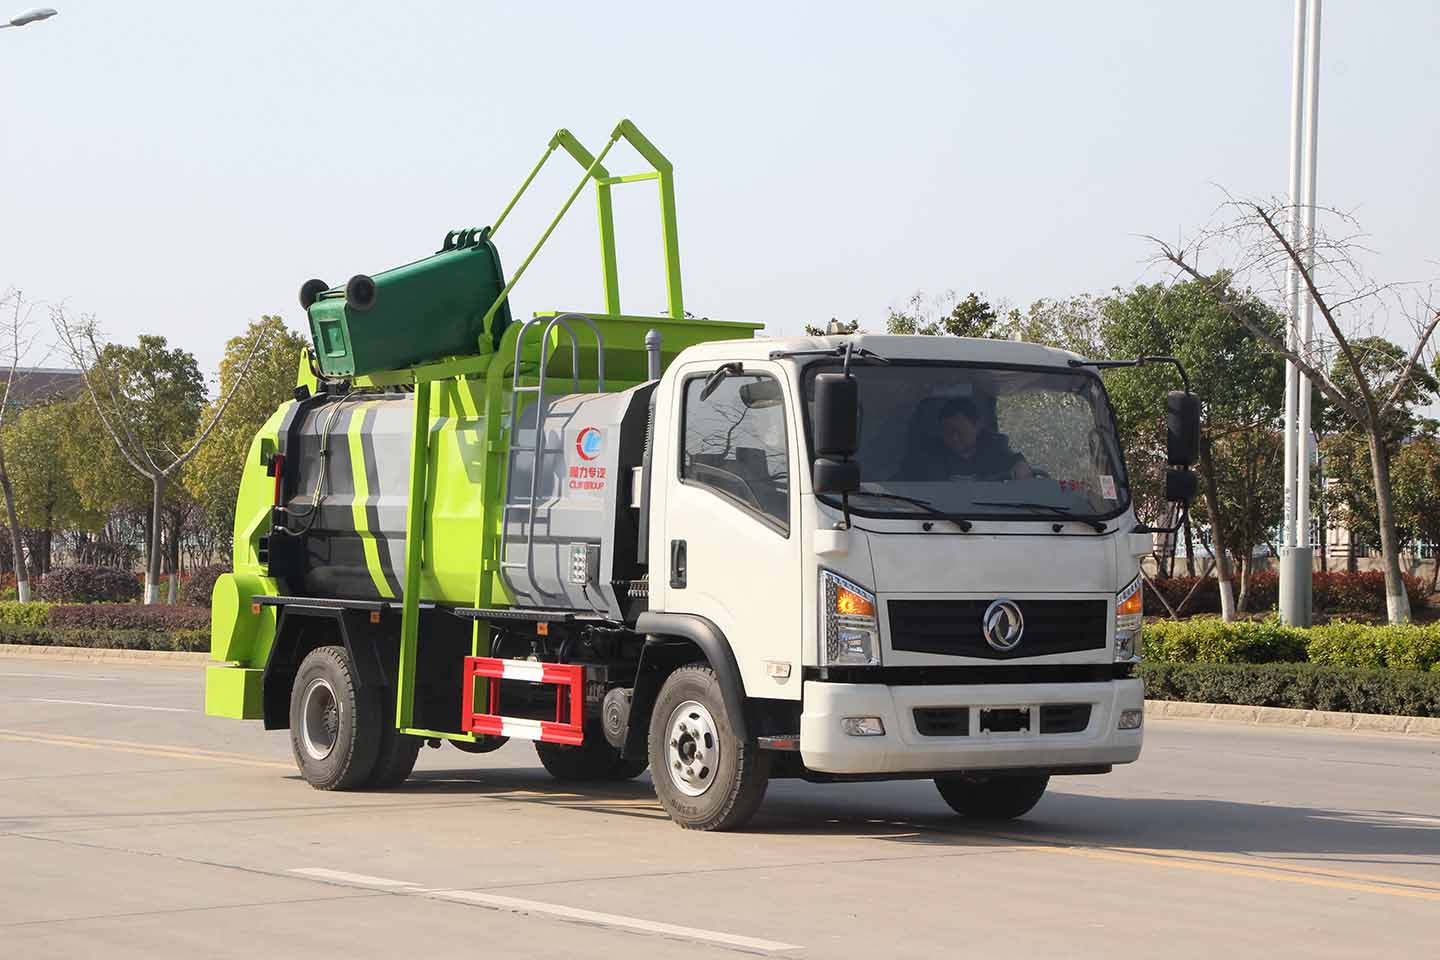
x=277 y=466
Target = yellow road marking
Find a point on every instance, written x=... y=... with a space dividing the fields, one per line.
x=149 y=750
x=1247 y=861
x=1393 y=887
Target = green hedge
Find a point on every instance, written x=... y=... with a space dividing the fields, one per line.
x=104 y=639
x=104 y=616
x=1340 y=643
x=33 y=614
x=1303 y=686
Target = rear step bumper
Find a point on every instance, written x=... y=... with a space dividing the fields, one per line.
x=568 y=727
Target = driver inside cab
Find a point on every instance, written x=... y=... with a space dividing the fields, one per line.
x=967 y=449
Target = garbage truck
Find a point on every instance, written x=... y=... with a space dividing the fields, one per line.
x=666 y=542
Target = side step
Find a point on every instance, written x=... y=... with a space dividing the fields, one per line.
x=566 y=677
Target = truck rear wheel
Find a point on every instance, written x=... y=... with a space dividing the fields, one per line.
x=593 y=760
x=706 y=777
x=1001 y=798
x=334 y=724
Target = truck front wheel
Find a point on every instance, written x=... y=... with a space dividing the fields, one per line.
x=706 y=777
x=334 y=723
x=1000 y=798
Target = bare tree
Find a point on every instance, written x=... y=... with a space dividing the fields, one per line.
x=159 y=466
x=1367 y=396
x=18 y=335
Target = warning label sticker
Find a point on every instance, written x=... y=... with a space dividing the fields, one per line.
x=1107 y=486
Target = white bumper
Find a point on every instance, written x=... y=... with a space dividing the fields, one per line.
x=825 y=747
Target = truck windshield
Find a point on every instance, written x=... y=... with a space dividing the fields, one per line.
x=984 y=441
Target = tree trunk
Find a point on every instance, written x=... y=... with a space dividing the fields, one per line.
x=1189 y=547
x=1397 y=601
x=1244 y=565
x=152 y=566
x=174 y=553
x=1352 y=558
x=22 y=577
x=48 y=543
x=1217 y=537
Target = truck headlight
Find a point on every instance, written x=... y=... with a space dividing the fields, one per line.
x=1129 y=617
x=850 y=635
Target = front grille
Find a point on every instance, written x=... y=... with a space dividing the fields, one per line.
x=955 y=721
x=943 y=721
x=1064 y=717
x=954 y=627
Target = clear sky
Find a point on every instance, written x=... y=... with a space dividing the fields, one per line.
x=181 y=168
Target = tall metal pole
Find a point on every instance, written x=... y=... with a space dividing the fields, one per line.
x=1307 y=319
x=1289 y=600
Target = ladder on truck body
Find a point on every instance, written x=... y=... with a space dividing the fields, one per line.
x=537 y=449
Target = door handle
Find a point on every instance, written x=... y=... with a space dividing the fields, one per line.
x=677 y=564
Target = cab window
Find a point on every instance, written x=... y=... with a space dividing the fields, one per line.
x=734 y=444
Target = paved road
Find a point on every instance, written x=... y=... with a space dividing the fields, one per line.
x=131 y=825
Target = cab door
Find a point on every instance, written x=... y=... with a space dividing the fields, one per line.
x=730 y=549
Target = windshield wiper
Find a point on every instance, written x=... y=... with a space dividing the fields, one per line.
x=1097 y=525
x=925 y=505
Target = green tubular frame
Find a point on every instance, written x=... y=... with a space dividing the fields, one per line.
x=492 y=366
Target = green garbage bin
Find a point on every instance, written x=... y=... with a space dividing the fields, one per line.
x=416 y=313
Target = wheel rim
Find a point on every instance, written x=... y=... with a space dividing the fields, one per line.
x=319 y=719
x=692 y=748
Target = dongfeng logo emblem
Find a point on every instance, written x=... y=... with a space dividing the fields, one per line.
x=1003 y=625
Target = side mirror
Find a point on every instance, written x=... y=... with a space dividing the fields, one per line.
x=837 y=414
x=1182 y=429
x=761 y=393
x=835 y=476
x=1180 y=485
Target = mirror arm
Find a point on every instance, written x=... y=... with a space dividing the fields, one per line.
x=1179 y=522
x=1139 y=361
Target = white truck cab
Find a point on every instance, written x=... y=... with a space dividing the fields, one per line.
x=964 y=606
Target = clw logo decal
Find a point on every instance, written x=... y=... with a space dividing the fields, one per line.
x=588 y=443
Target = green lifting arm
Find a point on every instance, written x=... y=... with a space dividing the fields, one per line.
x=595 y=170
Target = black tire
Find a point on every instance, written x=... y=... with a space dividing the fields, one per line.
x=336 y=745
x=1001 y=798
x=591 y=761
x=396 y=757
x=630 y=766
x=730 y=790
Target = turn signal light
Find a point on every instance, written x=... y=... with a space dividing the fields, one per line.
x=1132 y=605
x=848 y=603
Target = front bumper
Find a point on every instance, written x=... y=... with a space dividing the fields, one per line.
x=826 y=748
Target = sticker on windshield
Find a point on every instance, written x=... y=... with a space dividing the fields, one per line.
x=1107 y=486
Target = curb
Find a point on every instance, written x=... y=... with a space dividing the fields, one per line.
x=1287 y=717
x=27 y=651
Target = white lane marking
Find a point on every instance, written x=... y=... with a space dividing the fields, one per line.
x=60 y=676
x=361 y=879
x=536 y=908
x=513 y=905
x=117 y=706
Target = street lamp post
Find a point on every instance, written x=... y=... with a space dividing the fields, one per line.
x=1296 y=553
x=30 y=16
